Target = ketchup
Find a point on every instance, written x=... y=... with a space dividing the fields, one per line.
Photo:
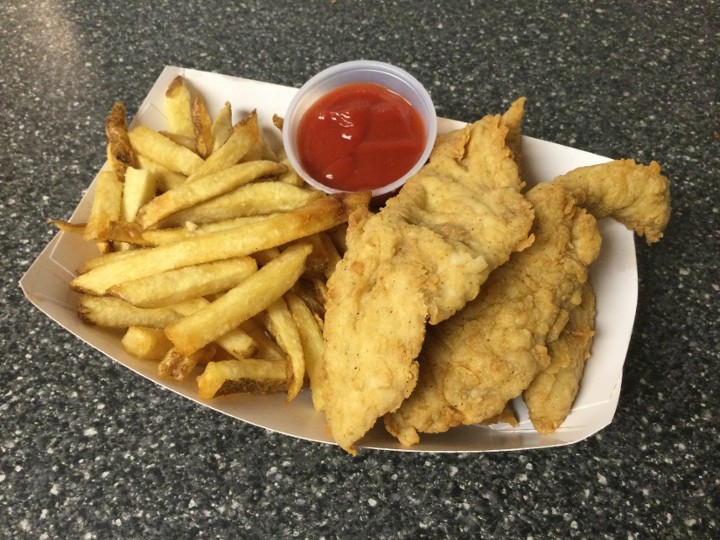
x=360 y=136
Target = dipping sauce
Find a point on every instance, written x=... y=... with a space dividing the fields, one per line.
x=360 y=136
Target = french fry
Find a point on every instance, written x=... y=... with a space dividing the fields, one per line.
x=273 y=231
x=207 y=187
x=119 y=152
x=240 y=303
x=250 y=200
x=180 y=284
x=266 y=347
x=312 y=343
x=179 y=367
x=284 y=328
x=203 y=128
x=222 y=126
x=164 y=177
x=178 y=108
x=235 y=376
x=182 y=140
x=110 y=312
x=242 y=138
x=167 y=153
x=236 y=342
x=139 y=188
x=146 y=343
x=106 y=205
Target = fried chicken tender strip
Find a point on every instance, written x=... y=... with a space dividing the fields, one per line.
x=638 y=196
x=418 y=260
x=489 y=352
x=635 y=195
x=551 y=394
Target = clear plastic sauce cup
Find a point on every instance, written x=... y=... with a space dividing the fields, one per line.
x=385 y=75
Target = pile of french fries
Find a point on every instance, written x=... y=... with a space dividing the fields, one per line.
x=214 y=254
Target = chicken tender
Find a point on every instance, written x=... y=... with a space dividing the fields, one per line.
x=635 y=195
x=551 y=394
x=418 y=260
x=490 y=351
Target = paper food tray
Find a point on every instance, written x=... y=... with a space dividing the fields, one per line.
x=613 y=276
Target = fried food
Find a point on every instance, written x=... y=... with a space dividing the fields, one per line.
x=532 y=323
x=638 y=196
x=490 y=351
x=551 y=394
x=419 y=259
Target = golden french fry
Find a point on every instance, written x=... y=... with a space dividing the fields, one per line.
x=240 y=303
x=119 y=152
x=240 y=376
x=178 y=108
x=203 y=128
x=257 y=198
x=186 y=142
x=222 y=126
x=312 y=343
x=266 y=347
x=110 y=312
x=284 y=328
x=180 y=284
x=290 y=176
x=132 y=233
x=164 y=177
x=139 y=188
x=146 y=343
x=236 y=342
x=242 y=138
x=176 y=366
x=273 y=231
x=207 y=187
x=106 y=205
x=166 y=152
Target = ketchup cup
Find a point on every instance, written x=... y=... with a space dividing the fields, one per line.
x=385 y=75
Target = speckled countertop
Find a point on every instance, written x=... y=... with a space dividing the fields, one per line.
x=90 y=450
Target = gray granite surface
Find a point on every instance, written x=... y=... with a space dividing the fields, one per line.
x=90 y=450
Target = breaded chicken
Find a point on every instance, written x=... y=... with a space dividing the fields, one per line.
x=515 y=333
x=551 y=394
x=638 y=196
x=490 y=351
x=418 y=260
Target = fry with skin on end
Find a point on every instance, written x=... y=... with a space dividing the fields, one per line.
x=252 y=296
x=106 y=205
x=242 y=376
x=178 y=108
x=119 y=151
x=203 y=128
x=221 y=126
x=242 y=138
x=110 y=312
x=179 y=367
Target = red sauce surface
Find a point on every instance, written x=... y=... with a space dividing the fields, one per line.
x=360 y=136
